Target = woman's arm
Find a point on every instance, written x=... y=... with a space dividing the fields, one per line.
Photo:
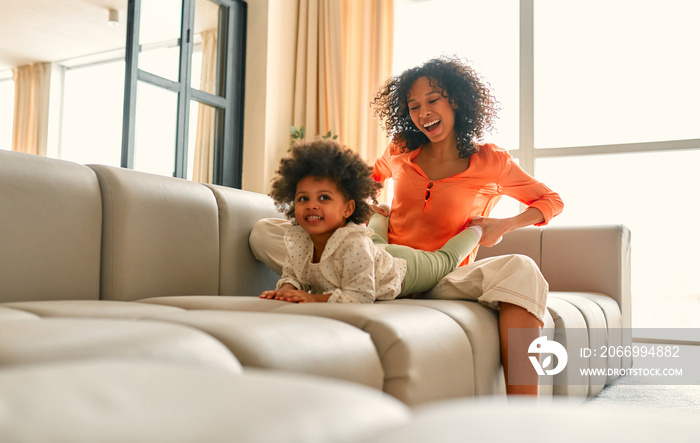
x=543 y=204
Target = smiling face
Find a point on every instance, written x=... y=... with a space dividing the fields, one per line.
x=431 y=110
x=320 y=207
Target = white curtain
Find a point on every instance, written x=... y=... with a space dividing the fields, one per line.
x=206 y=115
x=31 y=110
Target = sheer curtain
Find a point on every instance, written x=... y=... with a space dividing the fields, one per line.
x=206 y=115
x=318 y=78
x=31 y=110
x=344 y=53
x=368 y=28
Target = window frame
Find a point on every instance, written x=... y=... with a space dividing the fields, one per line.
x=527 y=152
x=228 y=153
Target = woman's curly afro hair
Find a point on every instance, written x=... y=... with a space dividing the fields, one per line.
x=475 y=107
x=326 y=158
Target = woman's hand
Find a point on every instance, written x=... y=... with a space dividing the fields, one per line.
x=493 y=229
x=382 y=209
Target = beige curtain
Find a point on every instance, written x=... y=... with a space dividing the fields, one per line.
x=368 y=28
x=206 y=115
x=344 y=53
x=318 y=80
x=31 y=110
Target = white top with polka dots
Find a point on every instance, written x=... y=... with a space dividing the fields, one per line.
x=352 y=268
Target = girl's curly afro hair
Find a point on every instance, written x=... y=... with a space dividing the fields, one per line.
x=327 y=159
x=475 y=107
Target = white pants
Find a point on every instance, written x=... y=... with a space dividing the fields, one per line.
x=514 y=279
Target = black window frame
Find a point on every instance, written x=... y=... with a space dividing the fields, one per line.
x=228 y=154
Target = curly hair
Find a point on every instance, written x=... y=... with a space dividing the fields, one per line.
x=325 y=158
x=475 y=107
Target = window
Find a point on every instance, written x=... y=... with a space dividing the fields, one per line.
x=483 y=32
x=654 y=194
x=7 y=99
x=616 y=72
x=92 y=113
x=185 y=63
x=178 y=111
x=612 y=93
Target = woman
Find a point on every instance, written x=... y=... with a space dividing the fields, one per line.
x=443 y=177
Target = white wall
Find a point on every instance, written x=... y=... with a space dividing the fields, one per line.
x=270 y=55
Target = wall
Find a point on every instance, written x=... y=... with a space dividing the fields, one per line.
x=270 y=55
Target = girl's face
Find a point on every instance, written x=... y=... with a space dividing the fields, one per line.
x=431 y=110
x=320 y=207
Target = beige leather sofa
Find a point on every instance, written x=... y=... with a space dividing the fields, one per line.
x=125 y=294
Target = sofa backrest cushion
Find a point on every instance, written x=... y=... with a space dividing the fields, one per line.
x=50 y=229
x=241 y=273
x=160 y=236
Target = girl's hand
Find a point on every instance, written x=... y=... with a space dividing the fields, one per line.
x=493 y=229
x=293 y=295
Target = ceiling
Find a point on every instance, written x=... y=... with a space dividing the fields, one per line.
x=54 y=30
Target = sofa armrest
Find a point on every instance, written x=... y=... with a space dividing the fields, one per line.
x=577 y=259
x=589 y=259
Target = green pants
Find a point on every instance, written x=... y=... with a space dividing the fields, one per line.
x=424 y=269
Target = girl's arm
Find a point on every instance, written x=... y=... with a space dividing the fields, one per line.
x=287 y=286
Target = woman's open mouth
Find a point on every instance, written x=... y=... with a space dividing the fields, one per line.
x=432 y=126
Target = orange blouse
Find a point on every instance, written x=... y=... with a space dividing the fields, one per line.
x=426 y=213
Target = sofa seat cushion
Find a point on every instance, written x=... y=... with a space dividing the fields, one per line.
x=15 y=314
x=297 y=343
x=425 y=354
x=60 y=339
x=129 y=401
x=306 y=344
x=223 y=303
x=480 y=324
x=89 y=309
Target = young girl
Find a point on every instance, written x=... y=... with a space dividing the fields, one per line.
x=331 y=257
